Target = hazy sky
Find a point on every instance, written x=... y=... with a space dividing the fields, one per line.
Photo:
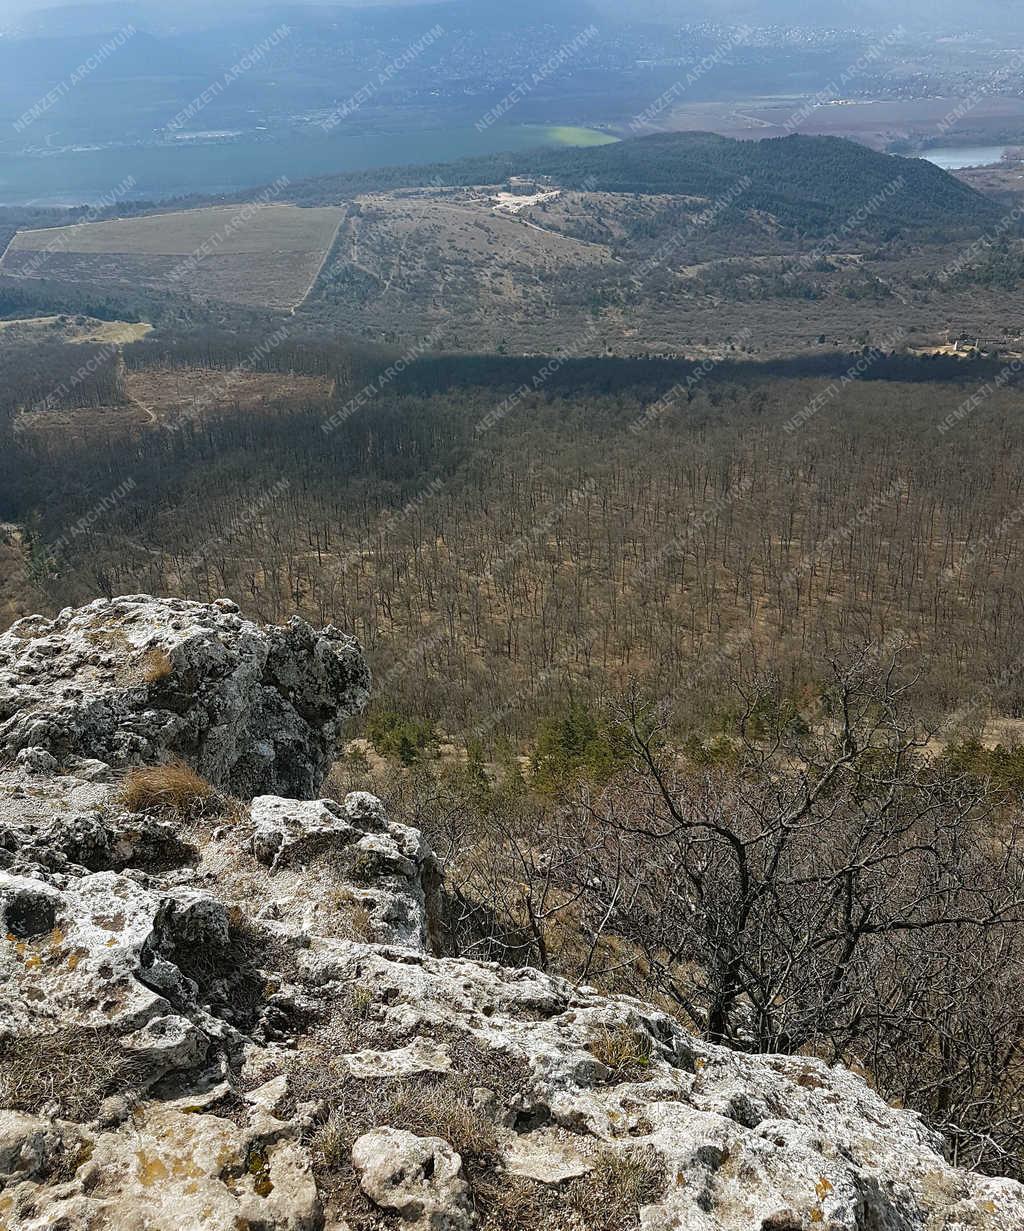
x=952 y=13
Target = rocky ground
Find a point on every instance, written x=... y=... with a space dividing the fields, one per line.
x=225 y=1008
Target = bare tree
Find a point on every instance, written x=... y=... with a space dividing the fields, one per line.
x=830 y=891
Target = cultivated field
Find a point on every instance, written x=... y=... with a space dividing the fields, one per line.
x=166 y=397
x=257 y=255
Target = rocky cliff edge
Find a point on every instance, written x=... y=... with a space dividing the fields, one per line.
x=221 y=1008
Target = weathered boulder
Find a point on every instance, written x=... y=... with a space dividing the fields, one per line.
x=176 y=1169
x=102 y=953
x=70 y=825
x=28 y=1147
x=419 y=1178
x=347 y=858
x=93 y=999
x=141 y=680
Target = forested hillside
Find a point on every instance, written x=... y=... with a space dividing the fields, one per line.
x=690 y=584
x=536 y=542
x=808 y=183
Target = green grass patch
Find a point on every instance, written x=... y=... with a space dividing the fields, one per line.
x=568 y=134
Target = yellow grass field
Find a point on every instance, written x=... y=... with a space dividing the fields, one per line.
x=262 y=255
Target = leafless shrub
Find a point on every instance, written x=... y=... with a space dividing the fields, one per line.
x=827 y=888
x=509 y=893
x=833 y=893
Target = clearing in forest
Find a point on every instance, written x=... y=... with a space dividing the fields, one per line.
x=75 y=329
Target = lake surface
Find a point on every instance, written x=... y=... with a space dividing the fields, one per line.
x=86 y=176
x=955 y=158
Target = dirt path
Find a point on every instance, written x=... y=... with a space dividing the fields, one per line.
x=320 y=268
x=514 y=216
x=7 y=246
x=753 y=119
x=149 y=412
x=397 y=266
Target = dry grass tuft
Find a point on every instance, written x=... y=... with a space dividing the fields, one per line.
x=74 y=1068
x=622 y=1182
x=360 y=1001
x=626 y=1052
x=334 y=1141
x=441 y=1105
x=429 y=1107
x=174 y=788
x=157 y=666
x=356 y=921
x=610 y=1197
x=445 y=1109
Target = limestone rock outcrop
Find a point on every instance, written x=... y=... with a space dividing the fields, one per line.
x=138 y=680
x=239 y=1020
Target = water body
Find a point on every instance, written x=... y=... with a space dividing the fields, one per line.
x=85 y=176
x=955 y=158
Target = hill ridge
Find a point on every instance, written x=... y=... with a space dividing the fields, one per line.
x=810 y=183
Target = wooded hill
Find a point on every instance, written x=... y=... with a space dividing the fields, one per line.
x=811 y=184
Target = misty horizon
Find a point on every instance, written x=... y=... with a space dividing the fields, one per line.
x=922 y=13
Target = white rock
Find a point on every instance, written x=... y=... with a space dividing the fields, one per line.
x=419 y=1178
x=330 y=861
x=289 y=832
x=550 y=1156
x=37 y=761
x=252 y=710
x=96 y=956
x=272 y=1095
x=420 y=1056
x=169 y=1043
x=174 y=1171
